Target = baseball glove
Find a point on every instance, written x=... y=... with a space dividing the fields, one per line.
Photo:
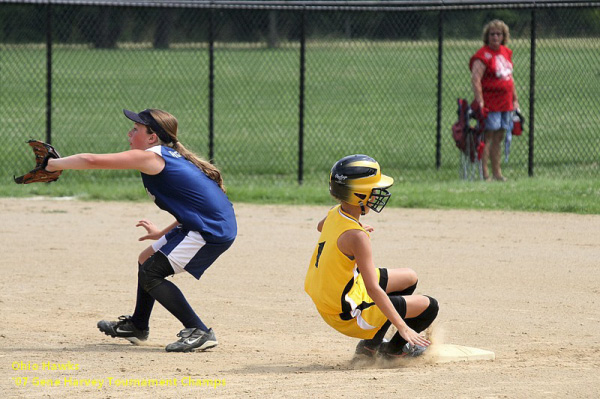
x=43 y=152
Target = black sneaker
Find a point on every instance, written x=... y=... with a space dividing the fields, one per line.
x=123 y=328
x=364 y=350
x=192 y=339
x=387 y=352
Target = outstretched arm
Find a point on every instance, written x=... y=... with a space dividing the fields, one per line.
x=145 y=161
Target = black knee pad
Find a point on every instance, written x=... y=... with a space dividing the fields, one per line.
x=432 y=310
x=411 y=290
x=407 y=291
x=152 y=272
x=424 y=320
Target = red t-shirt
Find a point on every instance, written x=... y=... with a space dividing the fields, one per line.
x=497 y=82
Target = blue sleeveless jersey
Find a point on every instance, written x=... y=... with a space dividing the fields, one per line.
x=196 y=201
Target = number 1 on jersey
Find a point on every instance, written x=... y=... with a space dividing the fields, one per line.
x=319 y=251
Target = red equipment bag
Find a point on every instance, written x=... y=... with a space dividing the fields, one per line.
x=469 y=139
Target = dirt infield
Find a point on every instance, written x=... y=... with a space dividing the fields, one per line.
x=524 y=285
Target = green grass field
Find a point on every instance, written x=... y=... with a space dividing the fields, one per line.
x=532 y=195
x=368 y=97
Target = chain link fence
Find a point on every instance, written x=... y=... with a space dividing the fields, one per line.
x=278 y=91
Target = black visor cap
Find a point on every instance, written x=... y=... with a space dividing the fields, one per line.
x=145 y=118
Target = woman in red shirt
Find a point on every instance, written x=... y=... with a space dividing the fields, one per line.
x=493 y=87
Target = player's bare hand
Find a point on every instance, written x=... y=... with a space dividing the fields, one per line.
x=154 y=232
x=413 y=337
x=370 y=229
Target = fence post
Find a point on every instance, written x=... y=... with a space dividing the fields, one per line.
x=301 y=97
x=49 y=73
x=532 y=89
x=211 y=85
x=438 y=139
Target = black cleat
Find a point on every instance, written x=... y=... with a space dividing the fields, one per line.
x=364 y=350
x=123 y=328
x=192 y=339
x=387 y=352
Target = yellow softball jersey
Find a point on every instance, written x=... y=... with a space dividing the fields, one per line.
x=335 y=285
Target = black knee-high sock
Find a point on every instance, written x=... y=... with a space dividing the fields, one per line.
x=168 y=295
x=419 y=323
x=143 y=308
x=378 y=338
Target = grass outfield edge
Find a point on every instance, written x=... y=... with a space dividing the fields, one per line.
x=580 y=196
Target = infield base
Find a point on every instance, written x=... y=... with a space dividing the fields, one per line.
x=445 y=353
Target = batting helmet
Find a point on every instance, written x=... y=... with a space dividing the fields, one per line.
x=357 y=180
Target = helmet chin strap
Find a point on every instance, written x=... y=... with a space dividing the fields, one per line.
x=362 y=208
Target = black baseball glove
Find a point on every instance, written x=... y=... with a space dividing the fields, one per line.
x=43 y=152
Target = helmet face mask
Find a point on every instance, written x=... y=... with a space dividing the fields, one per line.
x=357 y=180
x=379 y=199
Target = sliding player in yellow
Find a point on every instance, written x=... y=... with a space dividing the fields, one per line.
x=350 y=293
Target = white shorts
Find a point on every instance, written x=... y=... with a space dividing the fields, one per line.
x=188 y=251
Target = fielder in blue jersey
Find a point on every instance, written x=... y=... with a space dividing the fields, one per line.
x=189 y=188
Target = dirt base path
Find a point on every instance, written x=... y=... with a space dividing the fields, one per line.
x=524 y=285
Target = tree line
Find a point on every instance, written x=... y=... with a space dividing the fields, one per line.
x=104 y=26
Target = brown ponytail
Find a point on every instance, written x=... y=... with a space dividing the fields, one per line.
x=169 y=124
x=209 y=169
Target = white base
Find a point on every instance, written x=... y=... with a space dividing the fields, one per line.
x=446 y=353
